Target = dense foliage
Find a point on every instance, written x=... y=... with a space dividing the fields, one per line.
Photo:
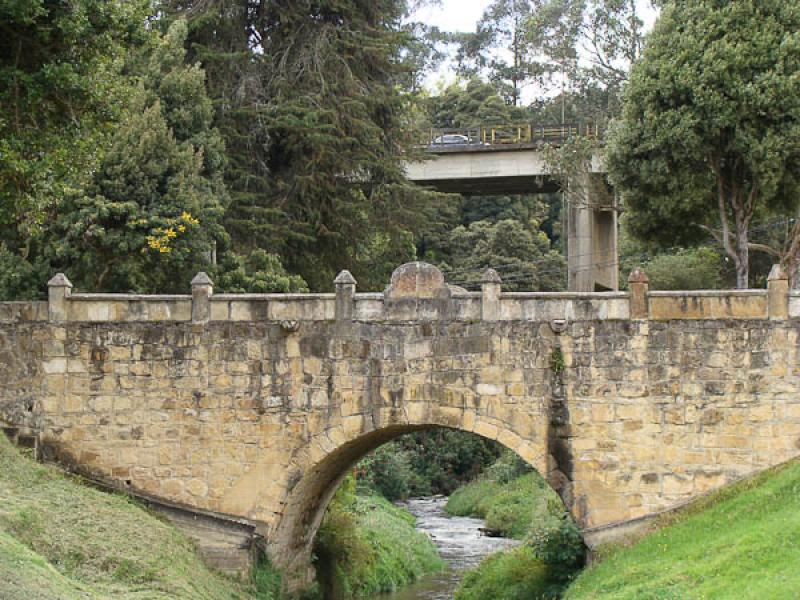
x=516 y=502
x=151 y=214
x=708 y=138
x=366 y=546
x=309 y=101
x=61 y=92
x=427 y=463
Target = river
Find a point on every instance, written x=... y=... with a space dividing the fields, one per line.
x=460 y=544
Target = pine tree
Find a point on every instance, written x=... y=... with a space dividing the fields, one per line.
x=313 y=116
x=151 y=216
x=62 y=86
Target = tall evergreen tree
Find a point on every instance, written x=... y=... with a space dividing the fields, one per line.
x=153 y=210
x=708 y=139
x=313 y=116
x=62 y=88
x=501 y=48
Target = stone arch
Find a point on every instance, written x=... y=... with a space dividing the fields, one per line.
x=290 y=542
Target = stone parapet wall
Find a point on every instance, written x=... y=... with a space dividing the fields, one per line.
x=127 y=307
x=273 y=307
x=724 y=304
x=451 y=304
x=20 y=312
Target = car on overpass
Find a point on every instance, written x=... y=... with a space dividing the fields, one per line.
x=454 y=139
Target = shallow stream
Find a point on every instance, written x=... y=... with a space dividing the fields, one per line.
x=460 y=543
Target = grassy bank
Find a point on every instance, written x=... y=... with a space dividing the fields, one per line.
x=516 y=574
x=518 y=503
x=741 y=543
x=61 y=540
x=508 y=508
x=366 y=545
x=509 y=496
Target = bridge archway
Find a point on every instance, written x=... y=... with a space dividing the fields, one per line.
x=290 y=543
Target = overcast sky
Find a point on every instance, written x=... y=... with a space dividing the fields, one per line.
x=463 y=15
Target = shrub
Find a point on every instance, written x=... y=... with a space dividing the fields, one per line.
x=509 y=508
x=386 y=471
x=507 y=468
x=266 y=580
x=472 y=500
x=691 y=269
x=517 y=574
x=560 y=547
x=366 y=546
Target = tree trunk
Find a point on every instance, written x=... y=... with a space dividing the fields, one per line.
x=743 y=251
x=733 y=197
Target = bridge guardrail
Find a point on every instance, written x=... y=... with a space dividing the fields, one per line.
x=510 y=134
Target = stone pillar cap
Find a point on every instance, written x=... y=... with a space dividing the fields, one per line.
x=201 y=278
x=59 y=280
x=777 y=274
x=490 y=276
x=638 y=276
x=345 y=278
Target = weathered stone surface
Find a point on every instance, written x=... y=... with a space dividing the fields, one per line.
x=417 y=280
x=240 y=415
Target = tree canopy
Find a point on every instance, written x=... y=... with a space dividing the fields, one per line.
x=151 y=214
x=61 y=91
x=709 y=136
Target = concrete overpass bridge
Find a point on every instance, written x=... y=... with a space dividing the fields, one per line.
x=502 y=160
x=250 y=408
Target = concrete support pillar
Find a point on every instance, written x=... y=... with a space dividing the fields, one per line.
x=490 y=295
x=778 y=293
x=59 y=291
x=638 y=286
x=345 y=295
x=202 y=290
x=591 y=226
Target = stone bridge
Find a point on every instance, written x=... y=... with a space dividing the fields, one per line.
x=254 y=407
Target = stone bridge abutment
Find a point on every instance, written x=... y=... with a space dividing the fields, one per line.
x=255 y=406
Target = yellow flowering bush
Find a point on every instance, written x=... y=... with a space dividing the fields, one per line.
x=162 y=238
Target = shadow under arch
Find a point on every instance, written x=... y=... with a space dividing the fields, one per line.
x=290 y=544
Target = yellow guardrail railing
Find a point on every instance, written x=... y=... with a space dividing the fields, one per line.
x=511 y=134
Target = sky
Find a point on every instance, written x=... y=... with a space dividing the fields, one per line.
x=463 y=15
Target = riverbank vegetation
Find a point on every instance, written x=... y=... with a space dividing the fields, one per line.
x=366 y=545
x=60 y=539
x=517 y=502
x=742 y=542
x=509 y=496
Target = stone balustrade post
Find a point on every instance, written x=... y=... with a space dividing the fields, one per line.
x=491 y=287
x=638 y=286
x=59 y=291
x=345 y=285
x=778 y=293
x=202 y=290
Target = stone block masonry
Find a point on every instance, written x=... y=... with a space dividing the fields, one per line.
x=255 y=406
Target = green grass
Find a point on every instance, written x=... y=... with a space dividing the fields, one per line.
x=61 y=540
x=511 y=508
x=367 y=546
x=512 y=575
x=520 y=504
x=741 y=543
